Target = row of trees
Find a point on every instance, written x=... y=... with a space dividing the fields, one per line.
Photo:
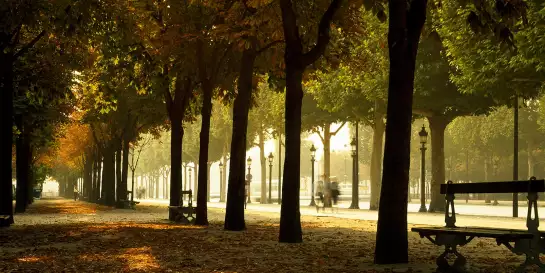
x=118 y=70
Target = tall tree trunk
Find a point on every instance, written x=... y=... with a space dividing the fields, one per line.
x=223 y=179
x=376 y=160
x=61 y=187
x=92 y=194
x=204 y=137
x=234 y=214
x=134 y=185
x=125 y=169
x=175 y=161
x=118 y=175
x=279 y=186
x=98 y=178
x=157 y=184
x=6 y=123
x=486 y=171
x=88 y=175
x=290 y=216
x=263 y=165
x=516 y=153
x=405 y=26
x=31 y=181
x=438 y=124
x=327 y=152
x=531 y=159
x=22 y=150
x=296 y=62
x=109 y=175
x=209 y=166
x=185 y=178
x=195 y=182
x=167 y=184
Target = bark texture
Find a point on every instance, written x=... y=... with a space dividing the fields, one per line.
x=405 y=26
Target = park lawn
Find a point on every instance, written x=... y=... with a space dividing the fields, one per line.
x=91 y=238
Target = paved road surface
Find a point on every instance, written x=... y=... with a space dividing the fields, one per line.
x=470 y=219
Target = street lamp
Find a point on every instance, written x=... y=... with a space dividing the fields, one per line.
x=355 y=183
x=312 y=159
x=270 y=157
x=249 y=179
x=423 y=139
x=221 y=181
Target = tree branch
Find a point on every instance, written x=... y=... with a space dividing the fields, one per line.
x=289 y=25
x=338 y=129
x=320 y=135
x=271 y=44
x=29 y=45
x=15 y=35
x=323 y=34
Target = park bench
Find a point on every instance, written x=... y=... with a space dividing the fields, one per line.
x=127 y=203
x=527 y=242
x=3 y=220
x=184 y=214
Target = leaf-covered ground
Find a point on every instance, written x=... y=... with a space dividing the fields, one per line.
x=68 y=236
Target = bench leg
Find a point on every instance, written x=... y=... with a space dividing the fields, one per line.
x=451 y=242
x=531 y=259
x=458 y=265
x=531 y=248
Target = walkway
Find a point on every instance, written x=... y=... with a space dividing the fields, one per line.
x=413 y=217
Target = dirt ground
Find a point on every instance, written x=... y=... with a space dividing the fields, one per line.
x=68 y=236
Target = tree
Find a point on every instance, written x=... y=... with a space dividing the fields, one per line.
x=23 y=25
x=255 y=32
x=213 y=65
x=405 y=25
x=439 y=100
x=317 y=119
x=354 y=91
x=296 y=61
x=136 y=150
x=166 y=75
x=220 y=142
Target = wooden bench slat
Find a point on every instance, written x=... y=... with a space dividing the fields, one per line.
x=476 y=231
x=495 y=187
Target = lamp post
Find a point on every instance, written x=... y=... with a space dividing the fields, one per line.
x=221 y=181
x=270 y=157
x=312 y=159
x=423 y=139
x=355 y=183
x=249 y=179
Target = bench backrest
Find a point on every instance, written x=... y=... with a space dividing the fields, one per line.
x=495 y=187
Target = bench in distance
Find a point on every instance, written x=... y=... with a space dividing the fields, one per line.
x=184 y=214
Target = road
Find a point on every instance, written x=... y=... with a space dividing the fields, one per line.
x=467 y=214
